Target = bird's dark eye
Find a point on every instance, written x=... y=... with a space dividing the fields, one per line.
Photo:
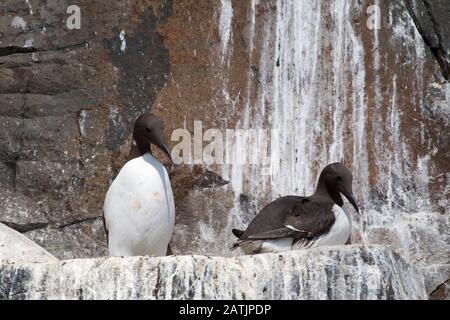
x=147 y=129
x=339 y=178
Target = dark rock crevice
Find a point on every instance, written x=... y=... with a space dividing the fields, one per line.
x=429 y=27
x=210 y=179
x=442 y=292
x=27 y=227
x=80 y=221
x=9 y=50
x=22 y=228
x=70 y=46
x=439 y=52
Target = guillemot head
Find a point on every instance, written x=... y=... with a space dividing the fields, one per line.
x=335 y=179
x=148 y=130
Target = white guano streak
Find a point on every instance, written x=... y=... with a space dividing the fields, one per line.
x=312 y=72
x=123 y=41
x=225 y=21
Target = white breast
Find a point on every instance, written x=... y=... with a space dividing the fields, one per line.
x=266 y=246
x=339 y=232
x=139 y=209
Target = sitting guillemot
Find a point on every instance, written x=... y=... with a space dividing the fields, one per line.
x=293 y=222
x=139 y=211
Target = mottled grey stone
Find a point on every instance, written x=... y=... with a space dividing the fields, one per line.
x=41 y=133
x=7 y=174
x=196 y=223
x=11 y=81
x=147 y=44
x=11 y=140
x=16 y=248
x=435 y=275
x=37 y=177
x=437 y=102
x=349 y=272
x=20 y=212
x=85 y=238
x=12 y=105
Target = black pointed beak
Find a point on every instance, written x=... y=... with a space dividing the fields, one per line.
x=163 y=148
x=351 y=199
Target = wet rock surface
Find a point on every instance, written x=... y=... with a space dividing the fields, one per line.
x=350 y=272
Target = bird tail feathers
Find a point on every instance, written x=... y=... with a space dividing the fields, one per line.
x=238 y=233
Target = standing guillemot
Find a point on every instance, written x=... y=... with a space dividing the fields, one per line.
x=294 y=222
x=139 y=211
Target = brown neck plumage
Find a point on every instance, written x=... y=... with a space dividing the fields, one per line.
x=138 y=149
x=327 y=190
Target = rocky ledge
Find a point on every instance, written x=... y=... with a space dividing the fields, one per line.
x=347 y=272
x=17 y=248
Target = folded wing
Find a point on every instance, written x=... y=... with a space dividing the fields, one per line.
x=293 y=217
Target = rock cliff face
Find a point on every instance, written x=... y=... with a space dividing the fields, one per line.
x=431 y=20
x=350 y=272
x=442 y=292
x=331 y=85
